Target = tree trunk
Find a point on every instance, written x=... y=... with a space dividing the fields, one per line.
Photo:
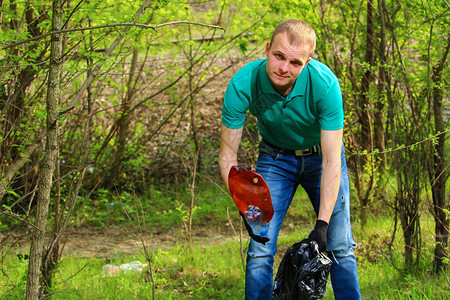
x=365 y=118
x=379 y=136
x=439 y=175
x=51 y=155
x=364 y=103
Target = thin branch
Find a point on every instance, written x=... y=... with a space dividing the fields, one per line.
x=12 y=170
x=14 y=216
x=402 y=147
x=76 y=273
x=188 y=23
x=241 y=247
x=145 y=26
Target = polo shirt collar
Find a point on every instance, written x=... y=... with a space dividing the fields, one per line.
x=299 y=86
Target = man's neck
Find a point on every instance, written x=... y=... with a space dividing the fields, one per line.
x=285 y=91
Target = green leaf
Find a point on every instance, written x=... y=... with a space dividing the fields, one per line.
x=6 y=207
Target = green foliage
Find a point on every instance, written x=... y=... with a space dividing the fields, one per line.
x=163 y=208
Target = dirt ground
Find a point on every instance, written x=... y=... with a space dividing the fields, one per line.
x=86 y=242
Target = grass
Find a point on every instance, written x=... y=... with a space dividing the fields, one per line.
x=211 y=267
x=164 y=209
x=204 y=271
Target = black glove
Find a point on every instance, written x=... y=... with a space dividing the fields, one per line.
x=258 y=238
x=319 y=234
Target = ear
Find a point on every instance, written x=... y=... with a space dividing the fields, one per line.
x=267 y=48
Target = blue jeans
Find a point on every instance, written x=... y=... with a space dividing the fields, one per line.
x=283 y=173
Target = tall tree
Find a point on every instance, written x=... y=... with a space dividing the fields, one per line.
x=438 y=170
x=48 y=163
x=439 y=173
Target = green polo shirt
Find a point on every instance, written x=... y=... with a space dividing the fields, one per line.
x=293 y=122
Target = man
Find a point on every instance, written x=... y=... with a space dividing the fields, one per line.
x=298 y=104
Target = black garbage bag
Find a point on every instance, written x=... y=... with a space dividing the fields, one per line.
x=303 y=273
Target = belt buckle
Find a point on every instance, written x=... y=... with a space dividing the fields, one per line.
x=302 y=152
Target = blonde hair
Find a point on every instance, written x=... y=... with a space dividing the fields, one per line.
x=298 y=32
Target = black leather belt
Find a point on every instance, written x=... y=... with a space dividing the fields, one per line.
x=313 y=150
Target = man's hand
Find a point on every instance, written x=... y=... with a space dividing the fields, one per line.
x=319 y=234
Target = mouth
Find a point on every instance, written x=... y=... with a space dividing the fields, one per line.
x=280 y=76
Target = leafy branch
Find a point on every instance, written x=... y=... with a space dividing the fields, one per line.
x=154 y=27
x=401 y=147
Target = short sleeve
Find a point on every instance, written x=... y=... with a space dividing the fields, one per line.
x=330 y=108
x=235 y=104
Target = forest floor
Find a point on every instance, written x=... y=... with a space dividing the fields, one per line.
x=87 y=242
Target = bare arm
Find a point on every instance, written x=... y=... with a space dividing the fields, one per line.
x=331 y=143
x=229 y=145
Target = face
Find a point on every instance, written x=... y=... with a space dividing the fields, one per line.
x=285 y=62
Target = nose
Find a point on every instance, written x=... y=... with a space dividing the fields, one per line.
x=284 y=66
